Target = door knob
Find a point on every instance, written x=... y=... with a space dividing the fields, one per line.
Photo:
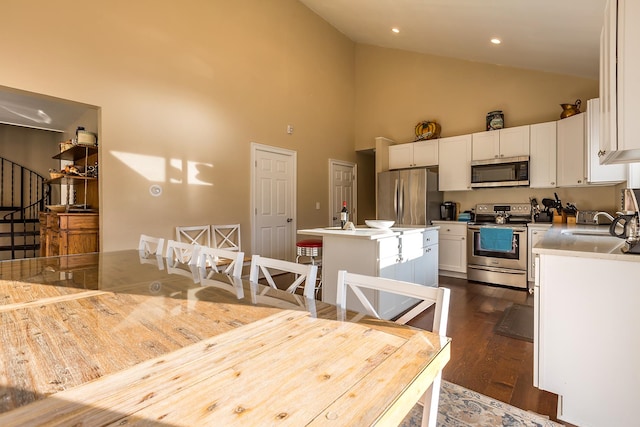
x=289 y=219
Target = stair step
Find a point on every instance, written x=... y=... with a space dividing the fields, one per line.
x=31 y=233
x=18 y=221
x=5 y=248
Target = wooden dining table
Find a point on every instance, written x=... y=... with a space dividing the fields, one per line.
x=123 y=338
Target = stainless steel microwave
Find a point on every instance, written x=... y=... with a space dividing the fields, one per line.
x=502 y=172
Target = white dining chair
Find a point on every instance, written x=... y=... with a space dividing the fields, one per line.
x=182 y=259
x=226 y=236
x=194 y=234
x=182 y=252
x=303 y=273
x=220 y=260
x=151 y=245
x=427 y=297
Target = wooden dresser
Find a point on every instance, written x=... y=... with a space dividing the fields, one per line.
x=68 y=233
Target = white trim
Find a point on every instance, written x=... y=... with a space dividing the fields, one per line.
x=354 y=208
x=255 y=147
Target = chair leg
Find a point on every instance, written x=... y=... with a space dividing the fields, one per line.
x=431 y=399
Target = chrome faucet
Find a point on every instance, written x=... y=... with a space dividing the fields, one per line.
x=605 y=214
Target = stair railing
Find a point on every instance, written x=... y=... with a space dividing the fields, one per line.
x=23 y=193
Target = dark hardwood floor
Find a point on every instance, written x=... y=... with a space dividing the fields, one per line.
x=483 y=361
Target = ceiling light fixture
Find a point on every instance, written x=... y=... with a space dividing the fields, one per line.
x=495 y=41
x=395 y=30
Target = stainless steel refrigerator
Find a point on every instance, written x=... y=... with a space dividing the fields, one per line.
x=409 y=196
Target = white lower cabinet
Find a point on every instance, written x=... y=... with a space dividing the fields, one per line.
x=534 y=235
x=452 y=242
x=586 y=340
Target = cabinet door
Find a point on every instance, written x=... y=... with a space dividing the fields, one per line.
x=608 y=138
x=535 y=235
x=400 y=156
x=542 y=165
x=597 y=173
x=571 y=143
x=452 y=253
x=455 y=163
x=514 y=141
x=486 y=145
x=425 y=153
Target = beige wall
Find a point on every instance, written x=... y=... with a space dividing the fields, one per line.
x=396 y=89
x=190 y=81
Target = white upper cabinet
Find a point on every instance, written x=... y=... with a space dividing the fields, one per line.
x=454 y=172
x=619 y=83
x=414 y=154
x=597 y=173
x=542 y=157
x=571 y=148
x=508 y=142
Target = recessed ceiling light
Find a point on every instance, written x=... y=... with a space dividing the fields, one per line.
x=395 y=30
x=495 y=41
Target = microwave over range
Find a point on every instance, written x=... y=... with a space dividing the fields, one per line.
x=502 y=172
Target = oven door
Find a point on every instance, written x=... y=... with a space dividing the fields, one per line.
x=515 y=259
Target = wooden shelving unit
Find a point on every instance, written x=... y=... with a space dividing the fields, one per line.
x=77 y=230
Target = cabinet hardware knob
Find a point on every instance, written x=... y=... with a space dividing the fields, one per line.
x=553 y=183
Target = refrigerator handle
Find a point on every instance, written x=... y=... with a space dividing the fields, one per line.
x=401 y=199
x=395 y=200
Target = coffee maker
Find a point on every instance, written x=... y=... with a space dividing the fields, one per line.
x=448 y=211
x=629 y=221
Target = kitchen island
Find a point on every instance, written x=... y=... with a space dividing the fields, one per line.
x=587 y=325
x=408 y=254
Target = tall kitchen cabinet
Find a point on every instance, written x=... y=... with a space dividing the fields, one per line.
x=571 y=151
x=454 y=171
x=76 y=230
x=542 y=155
x=619 y=83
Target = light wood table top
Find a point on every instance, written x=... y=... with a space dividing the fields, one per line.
x=111 y=338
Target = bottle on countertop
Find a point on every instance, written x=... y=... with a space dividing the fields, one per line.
x=344 y=215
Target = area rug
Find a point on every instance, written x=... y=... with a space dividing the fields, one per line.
x=516 y=322
x=461 y=407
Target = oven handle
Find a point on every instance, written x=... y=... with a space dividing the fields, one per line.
x=515 y=229
x=498 y=270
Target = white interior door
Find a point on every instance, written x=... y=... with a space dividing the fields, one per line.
x=343 y=187
x=273 y=202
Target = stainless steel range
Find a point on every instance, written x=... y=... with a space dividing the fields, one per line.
x=497 y=249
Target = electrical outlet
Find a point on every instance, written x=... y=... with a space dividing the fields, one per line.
x=289 y=129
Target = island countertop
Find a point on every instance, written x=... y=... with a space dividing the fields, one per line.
x=365 y=232
x=585 y=241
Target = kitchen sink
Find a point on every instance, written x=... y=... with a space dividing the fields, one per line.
x=588 y=231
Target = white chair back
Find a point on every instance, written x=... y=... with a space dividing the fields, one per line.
x=220 y=260
x=185 y=253
x=195 y=235
x=151 y=245
x=304 y=273
x=227 y=237
x=426 y=294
